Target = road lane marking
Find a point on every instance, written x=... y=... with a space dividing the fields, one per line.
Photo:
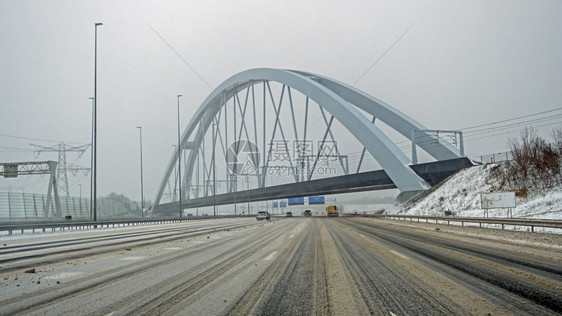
x=131 y=258
x=400 y=255
x=62 y=275
x=271 y=255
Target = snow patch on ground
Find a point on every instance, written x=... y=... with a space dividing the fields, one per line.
x=460 y=194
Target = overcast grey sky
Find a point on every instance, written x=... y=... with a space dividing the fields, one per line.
x=462 y=64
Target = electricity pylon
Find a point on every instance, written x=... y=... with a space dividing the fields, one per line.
x=63 y=167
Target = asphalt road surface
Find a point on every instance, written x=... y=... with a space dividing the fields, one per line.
x=286 y=266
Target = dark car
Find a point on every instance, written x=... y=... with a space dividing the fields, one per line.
x=308 y=213
x=289 y=214
x=262 y=215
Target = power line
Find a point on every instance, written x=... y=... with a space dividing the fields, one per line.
x=516 y=127
x=35 y=139
x=511 y=132
x=14 y=149
x=512 y=119
x=493 y=127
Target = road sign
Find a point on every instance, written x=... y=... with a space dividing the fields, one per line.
x=315 y=200
x=498 y=200
x=10 y=171
x=296 y=201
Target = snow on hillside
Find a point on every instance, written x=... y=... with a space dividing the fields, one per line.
x=460 y=194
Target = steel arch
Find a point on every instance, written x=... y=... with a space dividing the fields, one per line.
x=340 y=100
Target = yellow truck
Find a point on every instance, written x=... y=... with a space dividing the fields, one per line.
x=333 y=210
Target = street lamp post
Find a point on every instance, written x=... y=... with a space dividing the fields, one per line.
x=215 y=123
x=175 y=191
x=92 y=159
x=142 y=182
x=248 y=193
x=80 y=199
x=94 y=171
x=179 y=155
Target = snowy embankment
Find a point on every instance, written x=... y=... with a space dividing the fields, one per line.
x=460 y=194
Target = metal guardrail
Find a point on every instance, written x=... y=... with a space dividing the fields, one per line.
x=10 y=227
x=479 y=220
x=79 y=225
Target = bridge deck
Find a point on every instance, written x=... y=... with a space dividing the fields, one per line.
x=432 y=173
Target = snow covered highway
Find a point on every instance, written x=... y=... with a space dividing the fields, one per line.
x=290 y=266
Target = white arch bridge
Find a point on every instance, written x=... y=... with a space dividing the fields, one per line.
x=266 y=134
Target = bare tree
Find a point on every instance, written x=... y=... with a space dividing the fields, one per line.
x=536 y=163
x=557 y=147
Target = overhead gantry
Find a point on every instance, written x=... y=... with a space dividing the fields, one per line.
x=355 y=110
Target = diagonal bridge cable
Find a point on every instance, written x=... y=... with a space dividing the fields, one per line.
x=180 y=56
x=187 y=64
x=366 y=72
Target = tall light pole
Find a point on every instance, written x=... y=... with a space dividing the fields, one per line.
x=95 y=116
x=92 y=160
x=179 y=153
x=214 y=176
x=175 y=191
x=142 y=183
x=80 y=199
